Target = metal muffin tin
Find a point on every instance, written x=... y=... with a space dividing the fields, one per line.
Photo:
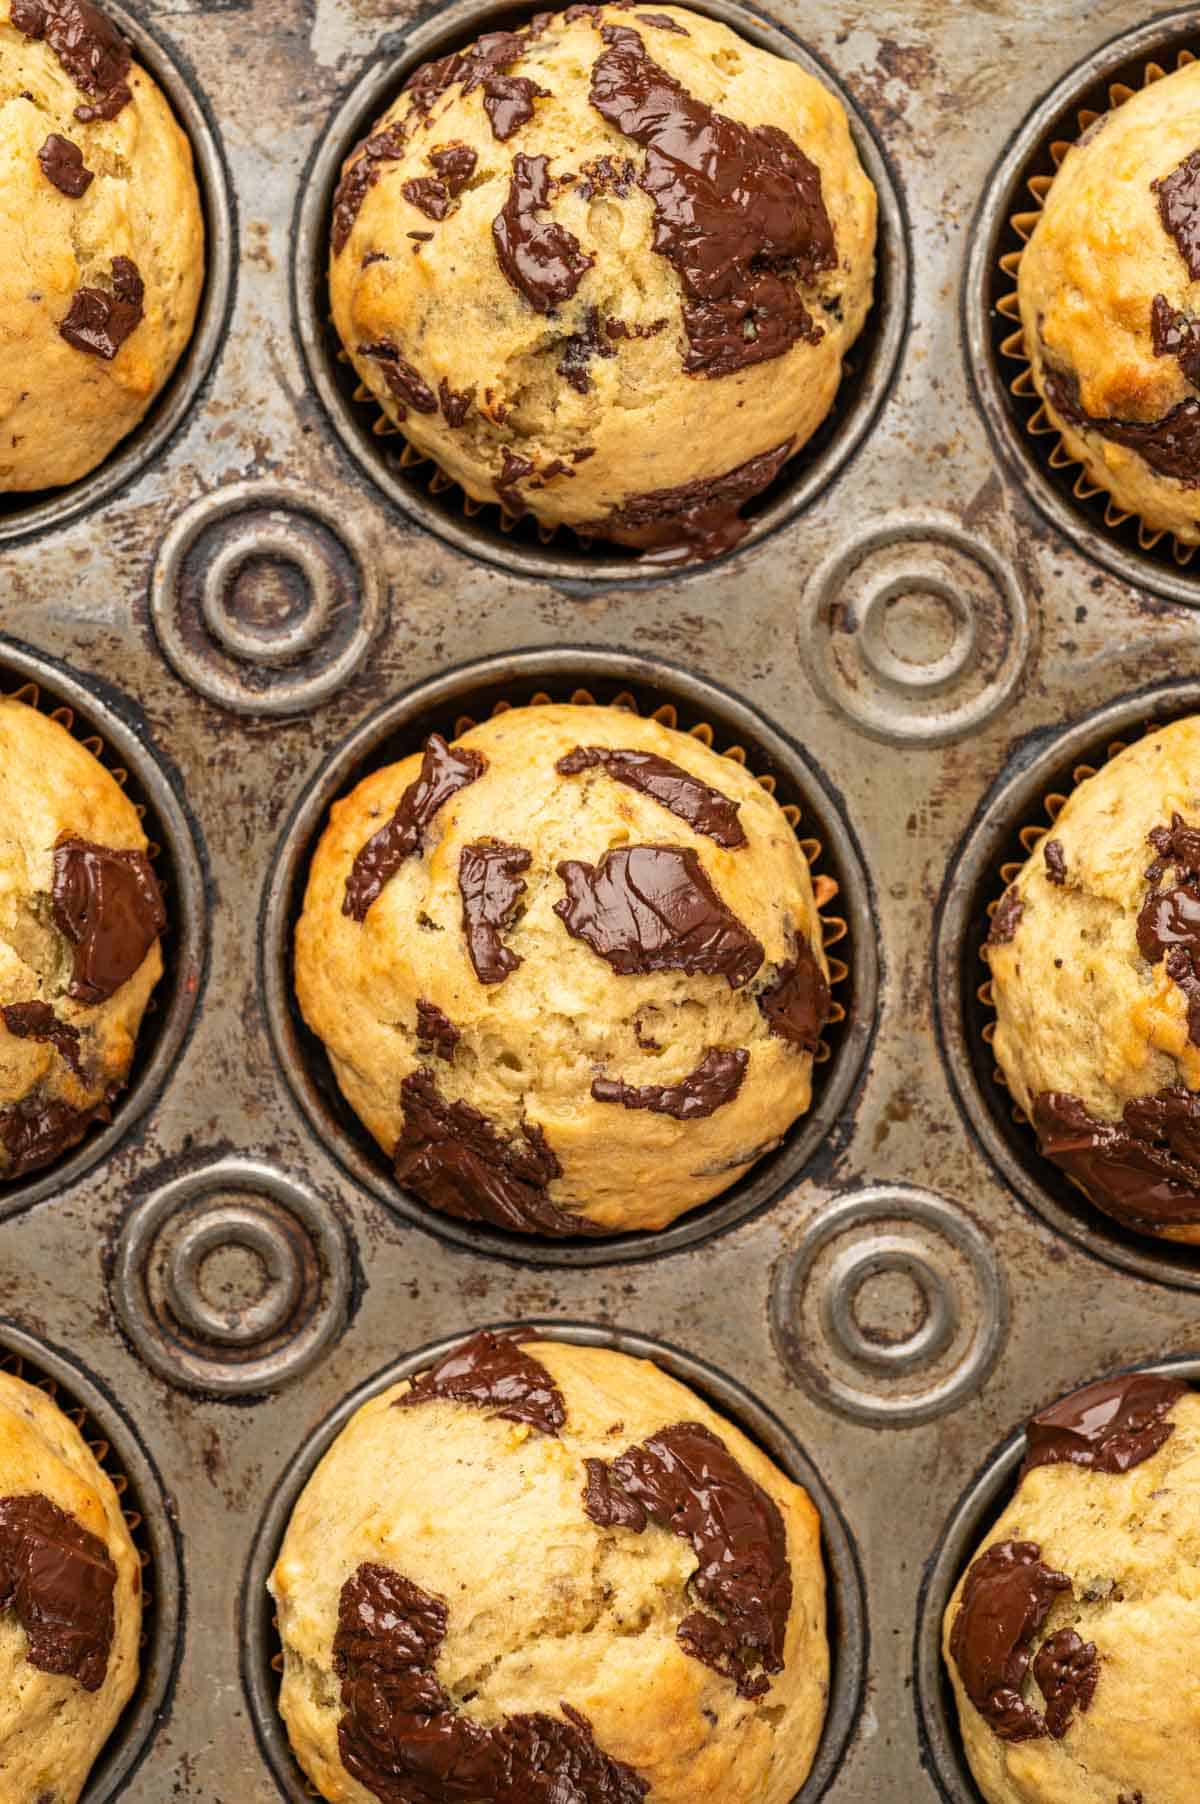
x=921 y=635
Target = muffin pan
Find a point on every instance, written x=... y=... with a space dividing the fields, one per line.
x=920 y=641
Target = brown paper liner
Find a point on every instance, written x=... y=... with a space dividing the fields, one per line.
x=1039 y=425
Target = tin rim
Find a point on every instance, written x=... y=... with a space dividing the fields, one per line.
x=397 y=729
x=847 y=1621
x=871 y=363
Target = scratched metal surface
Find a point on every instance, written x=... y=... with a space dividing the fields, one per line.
x=912 y=629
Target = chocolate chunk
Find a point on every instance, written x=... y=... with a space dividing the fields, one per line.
x=98 y=321
x=579 y=350
x=37 y=1130
x=429 y=196
x=617 y=328
x=1006 y=918
x=377 y=257
x=1110 y=1426
x=436 y=1032
x=1006 y=1599
x=513 y=470
x=62 y=164
x=1168 y=924
x=455 y=407
x=737 y=212
x=696 y=520
x=1179 y=209
x=404 y=381
x=488 y=57
x=796 y=1004
x=362 y=170
x=652 y=908
x=689 y=798
x=1171 y=446
x=1143 y=1169
x=715 y=1081
x=435 y=194
x=1176 y=335
x=1056 y=863
x=38 y=1021
x=508 y=102
x=1066 y=1669
x=540 y=258
x=493 y=1371
x=606 y=175
x=444 y=771
x=686 y=1480
x=491 y=891
x=456 y=1161
x=403 y=1738
x=109 y=906
x=663 y=23
x=89 y=47
x=58 y=1579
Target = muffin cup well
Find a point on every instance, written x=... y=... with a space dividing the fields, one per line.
x=449 y=704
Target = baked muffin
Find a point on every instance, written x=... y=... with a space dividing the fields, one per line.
x=1109 y=290
x=545 y=1572
x=605 y=270
x=1070 y=1639
x=1095 y=960
x=568 y=969
x=70 y=1602
x=80 y=916
x=105 y=241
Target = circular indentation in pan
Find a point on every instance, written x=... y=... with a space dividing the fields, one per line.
x=21 y=515
x=1045 y=765
x=869 y=367
x=976 y=1510
x=120 y=1452
x=104 y=722
x=474 y=690
x=1017 y=183
x=846 y=1597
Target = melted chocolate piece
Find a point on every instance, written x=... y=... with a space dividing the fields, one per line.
x=1143 y=1170
x=663 y=23
x=688 y=797
x=89 y=47
x=491 y=891
x=508 y=102
x=1005 y=1601
x=109 y=906
x=455 y=406
x=1110 y=1426
x=493 y=1371
x=1005 y=919
x=737 y=212
x=444 y=771
x=479 y=63
x=1176 y=335
x=436 y=1032
x=696 y=520
x=685 y=1479
x=456 y=1161
x=1171 y=446
x=796 y=1004
x=360 y=175
x=62 y=163
x=403 y=1738
x=1179 y=209
x=579 y=350
x=1066 y=1669
x=539 y=257
x=59 y=1579
x=1168 y=924
x=99 y=322
x=1056 y=862
x=38 y=1021
x=37 y=1130
x=715 y=1081
x=435 y=195
x=652 y=908
x=513 y=470
x=404 y=381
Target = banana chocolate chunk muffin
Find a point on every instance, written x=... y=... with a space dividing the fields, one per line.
x=605 y=270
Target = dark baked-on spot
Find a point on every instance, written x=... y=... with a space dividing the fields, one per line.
x=1144 y=1169
x=99 y=320
x=715 y=1081
x=493 y=1372
x=62 y=163
x=58 y=1579
x=434 y=195
x=1007 y=1597
x=695 y=520
x=38 y=1021
x=403 y=1738
x=436 y=1032
x=491 y=888
x=1006 y=918
x=1056 y=861
x=109 y=906
x=457 y=1161
x=653 y=908
x=687 y=797
x=445 y=769
x=405 y=382
x=1168 y=925
x=1176 y=335
x=539 y=257
x=1171 y=446
x=685 y=1479
x=797 y=1002
x=1110 y=1426
x=362 y=170
x=737 y=212
x=37 y=1130
x=89 y=47
x=1179 y=209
